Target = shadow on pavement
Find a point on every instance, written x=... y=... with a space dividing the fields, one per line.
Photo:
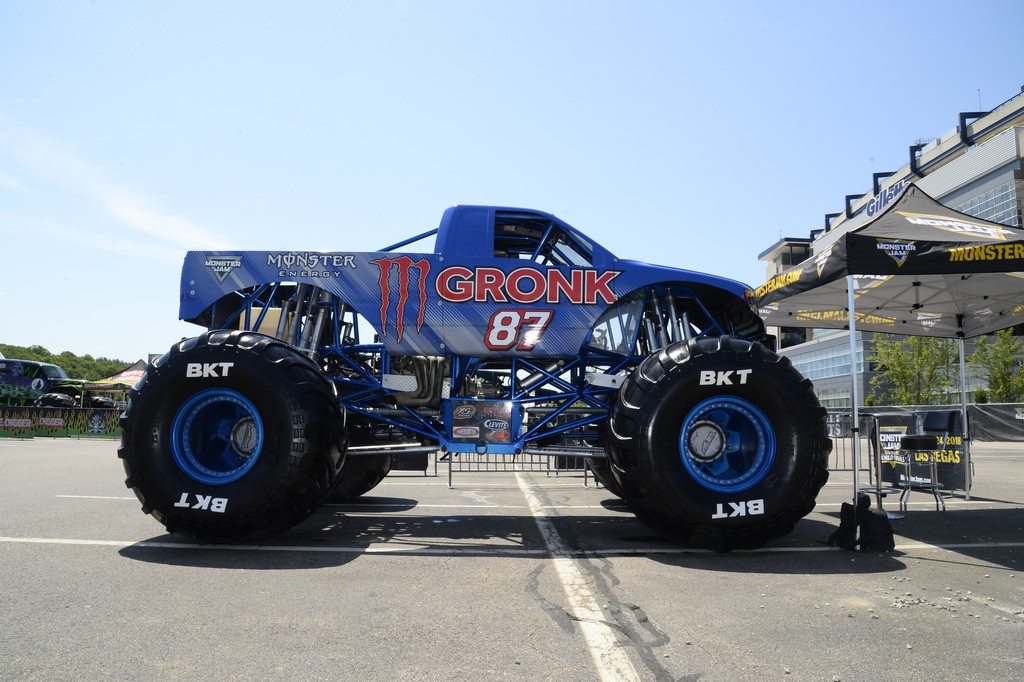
x=964 y=527
x=335 y=536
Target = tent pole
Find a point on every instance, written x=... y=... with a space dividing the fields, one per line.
x=855 y=394
x=963 y=417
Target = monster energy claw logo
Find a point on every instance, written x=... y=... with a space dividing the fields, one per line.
x=405 y=265
x=223 y=265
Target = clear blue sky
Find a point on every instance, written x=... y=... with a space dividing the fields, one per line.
x=679 y=133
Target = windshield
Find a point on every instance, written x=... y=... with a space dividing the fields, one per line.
x=53 y=372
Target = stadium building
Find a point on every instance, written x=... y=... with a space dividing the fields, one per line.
x=976 y=168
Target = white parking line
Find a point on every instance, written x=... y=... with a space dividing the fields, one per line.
x=441 y=483
x=363 y=506
x=374 y=505
x=97 y=497
x=480 y=550
x=608 y=654
x=378 y=549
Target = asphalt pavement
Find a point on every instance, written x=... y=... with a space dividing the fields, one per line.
x=506 y=576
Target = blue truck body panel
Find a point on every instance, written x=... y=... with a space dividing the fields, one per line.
x=446 y=302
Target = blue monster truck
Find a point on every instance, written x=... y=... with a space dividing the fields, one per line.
x=515 y=334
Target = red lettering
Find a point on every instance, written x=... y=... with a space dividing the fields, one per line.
x=455 y=284
x=460 y=284
x=488 y=283
x=558 y=284
x=517 y=294
x=596 y=284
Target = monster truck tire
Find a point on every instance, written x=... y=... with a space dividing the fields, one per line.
x=231 y=436
x=602 y=470
x=359 y=476
x=735 y=394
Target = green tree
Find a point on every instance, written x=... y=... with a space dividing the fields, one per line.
x=76 y=366
x=912 y=370
x=999 y=359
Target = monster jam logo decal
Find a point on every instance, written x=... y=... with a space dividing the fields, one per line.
x=889 y=437
x=404 y=264
x=223 y=265
x=897 y=249
x=821 y=259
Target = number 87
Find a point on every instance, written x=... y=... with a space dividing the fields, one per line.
x=516 y=327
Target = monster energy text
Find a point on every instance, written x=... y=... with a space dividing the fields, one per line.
x=310 y=264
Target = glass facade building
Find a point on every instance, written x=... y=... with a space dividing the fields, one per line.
x=1000 y=205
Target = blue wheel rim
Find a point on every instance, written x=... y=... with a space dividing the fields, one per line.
x=748 y=450
x=216 y=436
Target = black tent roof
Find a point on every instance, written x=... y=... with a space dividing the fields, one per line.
x=919 y=268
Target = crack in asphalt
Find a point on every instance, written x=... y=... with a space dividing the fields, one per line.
x=600 y=573
x=550 y=608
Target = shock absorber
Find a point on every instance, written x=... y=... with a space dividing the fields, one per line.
x=296 y=325
x=312 y=333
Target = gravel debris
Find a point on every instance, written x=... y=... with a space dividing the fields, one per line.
x=903 y=602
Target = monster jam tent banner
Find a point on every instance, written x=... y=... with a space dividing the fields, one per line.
x=918 y=268
x=895 y=422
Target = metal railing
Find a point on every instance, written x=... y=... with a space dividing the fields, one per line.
x=840 y=431
x=547 y=464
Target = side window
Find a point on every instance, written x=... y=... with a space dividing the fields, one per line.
x=518 y=235
x=563 y=248
x=531 y=237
